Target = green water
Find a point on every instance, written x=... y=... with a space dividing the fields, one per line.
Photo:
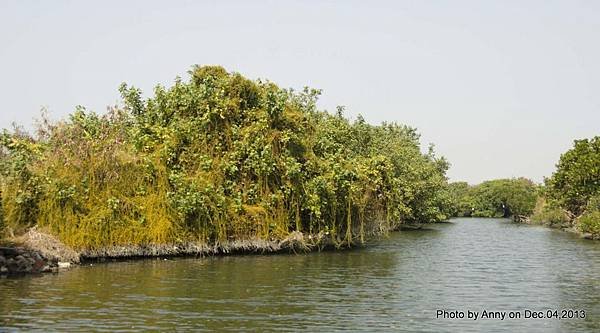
x=396 y=284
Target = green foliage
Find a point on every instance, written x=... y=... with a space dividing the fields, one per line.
x=577 y=176
x=461 y=199
x=20 y=186
x=216 y=158
x=549 y=214
x=574 y=187
x=494 y=198
x=589 y=221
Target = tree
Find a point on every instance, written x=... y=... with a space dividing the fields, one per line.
x=495 y=198
x=577 y=176
x=574 y=188
x=215 y=158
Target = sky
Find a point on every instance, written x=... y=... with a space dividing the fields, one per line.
x=501 y=88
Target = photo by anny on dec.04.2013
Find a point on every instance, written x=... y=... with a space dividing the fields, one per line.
x=299 y=166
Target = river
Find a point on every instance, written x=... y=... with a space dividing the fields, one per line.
x=396 y=284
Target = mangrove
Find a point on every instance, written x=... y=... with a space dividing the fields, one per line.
x=211 y=161
x=569 y=199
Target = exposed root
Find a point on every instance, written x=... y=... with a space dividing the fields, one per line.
x=295 y=241
x=50 y=247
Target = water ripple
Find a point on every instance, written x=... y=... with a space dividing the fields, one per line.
x=393 y=285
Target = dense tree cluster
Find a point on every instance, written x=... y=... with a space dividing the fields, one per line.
x=215 y=158
x=572 y=193
x=494 y=198
x=570 y=198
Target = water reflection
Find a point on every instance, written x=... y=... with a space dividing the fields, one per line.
x=398 y=283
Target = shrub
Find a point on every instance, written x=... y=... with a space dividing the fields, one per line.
x=549 y=214
x=215 y=158
x=494 y=198
x=590 y=223
x=577 y=176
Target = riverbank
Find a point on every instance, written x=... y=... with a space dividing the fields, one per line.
x=35 y=252
x=295 y=242
x=20 y=260
x=565 y=228
x=471 y=263
x=40 y=252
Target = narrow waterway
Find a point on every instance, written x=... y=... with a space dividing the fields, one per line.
x=396 y=284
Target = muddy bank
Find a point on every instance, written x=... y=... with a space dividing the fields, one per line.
x=581 y=234
x=566 y=227
x=295 y=242
x=41 y=252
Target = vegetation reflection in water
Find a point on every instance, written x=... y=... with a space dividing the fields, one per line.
x=397 y=283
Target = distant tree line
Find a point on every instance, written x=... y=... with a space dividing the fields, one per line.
x=494 y=198
x=570 y=198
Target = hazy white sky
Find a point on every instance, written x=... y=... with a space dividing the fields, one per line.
x=501 y=88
